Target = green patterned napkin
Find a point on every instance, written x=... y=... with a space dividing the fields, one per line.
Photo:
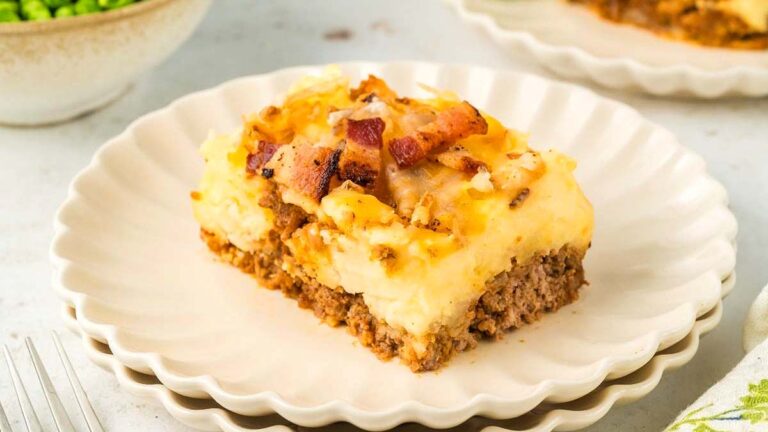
x=740 y=401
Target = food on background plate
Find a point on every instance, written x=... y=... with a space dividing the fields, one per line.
x=721 y=23
x=43 y=10
x=423 y=225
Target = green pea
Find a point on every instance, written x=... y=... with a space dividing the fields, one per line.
x=55 y=4
x=84 y=7
x=39 y=15
x=65 y=11
x=27 y=4
x=36 y=11
x=10 y=6
x=32 y=4
x=7 y=15
x=114 y=4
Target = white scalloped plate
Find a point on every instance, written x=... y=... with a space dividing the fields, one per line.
x=207 y=415
x=574 y=43
x=127 y=257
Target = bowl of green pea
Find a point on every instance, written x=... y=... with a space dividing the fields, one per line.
x=60 y=59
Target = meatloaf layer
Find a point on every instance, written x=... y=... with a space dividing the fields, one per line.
x=512 y=299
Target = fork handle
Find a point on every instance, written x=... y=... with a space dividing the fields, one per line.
x=4 y=425
x=60 y=417
x=91 y=420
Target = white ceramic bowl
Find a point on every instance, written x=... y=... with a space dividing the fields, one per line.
x=576 y=44
x=55 y=70
x=128 y=257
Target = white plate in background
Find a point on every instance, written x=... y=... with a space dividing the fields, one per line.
x=575 y=43
x=128 y=258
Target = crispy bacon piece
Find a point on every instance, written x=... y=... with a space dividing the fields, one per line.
x=460 y=159
x=407 y=151
x=450 y=125
x=306 y=169
x=360 y=161
x=366 y=132
x=256 y=160
x=370 y=86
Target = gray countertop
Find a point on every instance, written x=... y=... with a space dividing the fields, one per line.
x=242 y=37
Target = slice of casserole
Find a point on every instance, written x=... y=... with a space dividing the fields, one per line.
x=422 y=225
x=722 y=23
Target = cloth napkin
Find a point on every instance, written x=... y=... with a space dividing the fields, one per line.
x=740 y=401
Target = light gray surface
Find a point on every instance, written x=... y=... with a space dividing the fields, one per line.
x=241 y=37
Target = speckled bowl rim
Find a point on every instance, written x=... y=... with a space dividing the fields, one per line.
x=83 y=21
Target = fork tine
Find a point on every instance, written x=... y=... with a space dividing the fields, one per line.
x=94 y=425
x=63 y=423
x=4 y=425
x=30 y=418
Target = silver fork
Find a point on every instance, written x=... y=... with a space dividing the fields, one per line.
x=60 y=417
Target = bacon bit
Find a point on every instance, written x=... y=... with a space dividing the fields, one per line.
x=455 y=123
x=366 y=132
x=460 y=121
x=255 y=161
x=406 y=151
x=521 y=196
x=460 y=159
x=252 y=163
x=360 y=160
x=359 y=172
x=317 y=182
x=372 y=84
x=306 y=169
x=195 y=195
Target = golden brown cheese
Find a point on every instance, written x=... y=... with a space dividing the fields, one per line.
x=753 y=12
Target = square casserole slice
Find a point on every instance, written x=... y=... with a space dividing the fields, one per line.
x=741 y=24
x=424 y=225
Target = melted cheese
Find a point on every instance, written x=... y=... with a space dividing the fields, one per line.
x=752 y=12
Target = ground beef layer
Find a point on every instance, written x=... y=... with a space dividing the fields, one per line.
x=512 y=299
x=682 y=19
